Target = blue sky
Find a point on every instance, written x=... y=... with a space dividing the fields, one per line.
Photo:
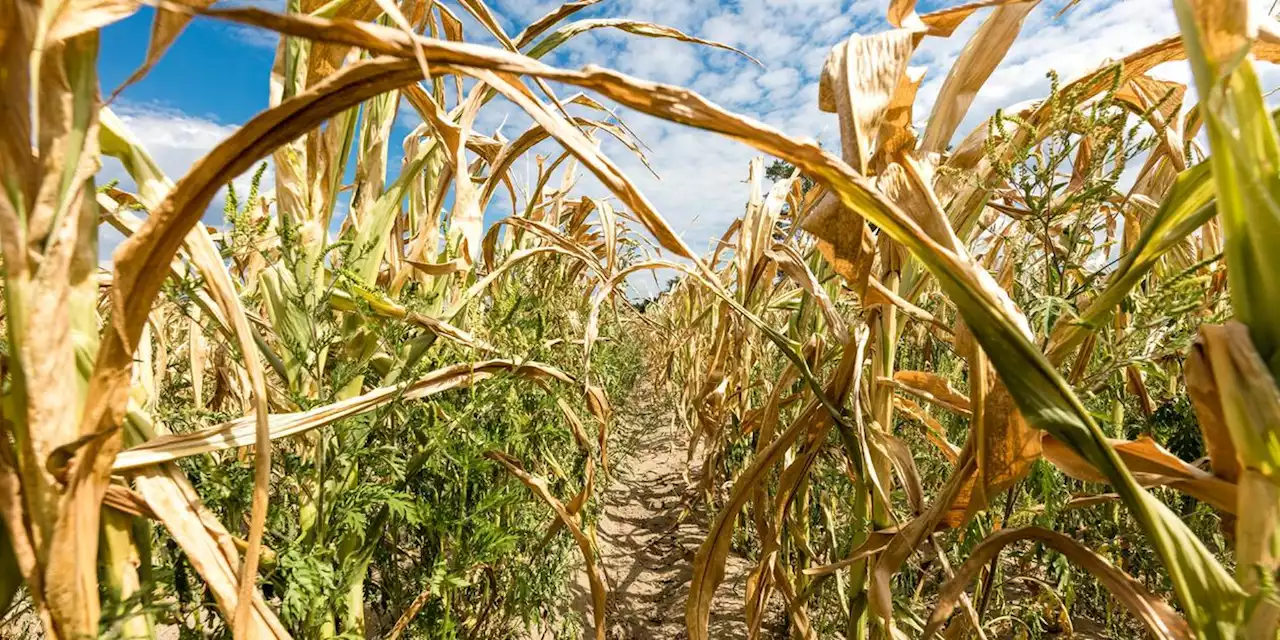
x=216 y=76
x=208 y=73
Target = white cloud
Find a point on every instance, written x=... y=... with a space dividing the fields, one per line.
x=701 y=188
x=701 y=176
x=1078 y=42
x=666 y=61
x=253 y=36
x=176 y=141
x=782 y=79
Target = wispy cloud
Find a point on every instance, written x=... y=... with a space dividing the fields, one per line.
x=252 y=36
x=176 y=141
x=700 y=187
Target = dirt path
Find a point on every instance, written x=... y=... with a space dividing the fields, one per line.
x=648 y=534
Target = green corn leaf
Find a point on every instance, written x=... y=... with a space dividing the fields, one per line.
x=1186 y=208
x=370 y=239
x=1246 y=163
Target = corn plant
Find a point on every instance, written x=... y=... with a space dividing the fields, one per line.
x=357 y=361
x=298 y=330
x=974 y=219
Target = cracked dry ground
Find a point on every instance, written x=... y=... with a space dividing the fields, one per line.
x=648 y=533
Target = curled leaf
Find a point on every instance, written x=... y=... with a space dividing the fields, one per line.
x=1155 y=614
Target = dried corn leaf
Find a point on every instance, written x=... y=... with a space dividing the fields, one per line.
x=858 y=83
x=944 y=22
x=793 y=265
x=240 y=432
x=76 y=17
x=1250 y=403
x=934 y=430
x=205 y=542
x=851 y=250
x=142 y=260
x=637 y=27
x=876 y=542
x=1202 y=388
x=1042 y=395
x=599 y=592
x=540 y=26
x=154 y=188
x=896 y=136
x=909 y=536
x=932 y=387
x=977 y=61
x=165 y=28
x=48 y=220
x=1006 y=450
x=1152 y=465
x=709 y=562
x=385 y=307
x=1155 y=614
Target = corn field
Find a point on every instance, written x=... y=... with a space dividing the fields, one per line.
x=1015 y=382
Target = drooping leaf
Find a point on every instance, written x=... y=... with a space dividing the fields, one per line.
x=1156 y=615
x=977 y=61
